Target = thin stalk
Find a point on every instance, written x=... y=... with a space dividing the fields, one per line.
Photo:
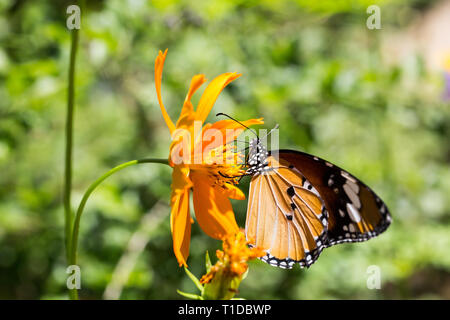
x=68 y=215
x=76 y=225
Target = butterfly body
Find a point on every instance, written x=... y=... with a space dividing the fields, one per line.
x=300 y=204
x=257 y=158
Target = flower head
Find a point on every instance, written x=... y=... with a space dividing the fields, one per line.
x=234 y=257
x=222 y=280
x=208 y=170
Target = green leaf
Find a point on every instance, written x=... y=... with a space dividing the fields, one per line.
x=208 y=262
x=194 y=279
x=189 y=295
x=245 y=273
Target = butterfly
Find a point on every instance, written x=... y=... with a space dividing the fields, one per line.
x=300 y=204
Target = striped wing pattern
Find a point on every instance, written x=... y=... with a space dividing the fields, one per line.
x=286 y=217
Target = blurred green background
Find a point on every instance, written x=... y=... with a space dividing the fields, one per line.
x=371 y=101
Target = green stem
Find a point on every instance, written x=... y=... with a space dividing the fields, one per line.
x=69 y=139
x=76 y=225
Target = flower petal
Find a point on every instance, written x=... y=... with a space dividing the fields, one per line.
x=187 y=115
x=231 y=124
x=196 y=82
x=211 y=93
x=180 y=179
x=180 y=225
x=186 y=121
x=229 y=131
x=233 y=192
x=212 y=208
x=159 y=65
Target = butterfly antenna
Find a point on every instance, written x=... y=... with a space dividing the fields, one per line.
x=224 y=114
x=274 y=128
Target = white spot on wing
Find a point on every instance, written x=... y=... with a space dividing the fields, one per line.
x=347 y=176
x=351 y=227
x=353 y=185
x=353 y=213
x=352 y=195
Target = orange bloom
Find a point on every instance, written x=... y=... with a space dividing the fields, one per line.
x=233 y=259
x=205 y=169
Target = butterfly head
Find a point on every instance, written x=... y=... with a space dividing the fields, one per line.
x=258 y=154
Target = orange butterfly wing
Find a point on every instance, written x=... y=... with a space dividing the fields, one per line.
x=284 y=217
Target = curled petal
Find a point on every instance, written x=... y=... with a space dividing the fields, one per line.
x=159 y=65
x=211 y=93
x=196 y=82
x=187 y=116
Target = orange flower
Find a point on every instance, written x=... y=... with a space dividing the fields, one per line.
x=206 y=170
x=233 y=259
